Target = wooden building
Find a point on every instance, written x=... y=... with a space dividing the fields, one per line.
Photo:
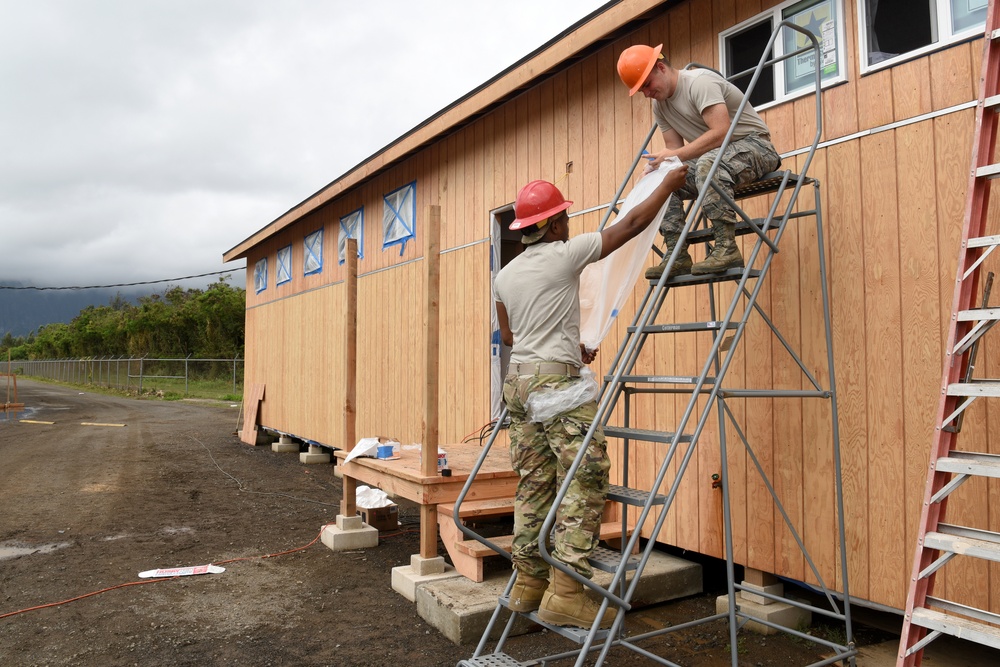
x=901 y=83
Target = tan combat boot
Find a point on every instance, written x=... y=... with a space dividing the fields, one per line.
x=682 y=266
x=566 y=603
x=725 y=255
x=527 y=593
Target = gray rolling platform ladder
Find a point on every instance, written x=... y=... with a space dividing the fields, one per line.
x=929 y=616
x=707 y=396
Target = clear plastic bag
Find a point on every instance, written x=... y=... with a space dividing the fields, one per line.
x=546 y=404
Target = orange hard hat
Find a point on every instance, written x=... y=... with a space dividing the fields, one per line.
x=537 y=201
x=635 y=63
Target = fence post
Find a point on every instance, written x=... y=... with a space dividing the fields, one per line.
x=186 y=374
x=140 y=375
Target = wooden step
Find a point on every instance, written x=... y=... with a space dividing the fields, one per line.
x=477 y=509
x=476 y=549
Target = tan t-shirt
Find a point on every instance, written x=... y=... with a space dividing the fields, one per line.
x=540 y=288
x=697 y=90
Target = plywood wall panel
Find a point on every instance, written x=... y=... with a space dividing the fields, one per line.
x=884 y=360
x=911 y=88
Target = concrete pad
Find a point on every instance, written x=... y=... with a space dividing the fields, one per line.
x=314 y=455
x=284 y=444
x=407 y=578
x=349 y=533
x=781 y=613
x=460 y=608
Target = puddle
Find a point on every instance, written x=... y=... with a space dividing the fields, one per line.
x=13 y=416
x=15 y=549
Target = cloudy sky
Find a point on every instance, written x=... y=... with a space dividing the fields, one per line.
x=140 y=139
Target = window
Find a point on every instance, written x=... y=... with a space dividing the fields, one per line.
x=892 y=30
x=260 y=275
x=352 y=226
x=284 y=265
x=399 y=216
x=312 y=253
x=743 y=45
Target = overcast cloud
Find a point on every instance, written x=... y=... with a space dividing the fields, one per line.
x=140 y=139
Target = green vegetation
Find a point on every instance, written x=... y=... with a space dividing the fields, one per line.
x=206 y=324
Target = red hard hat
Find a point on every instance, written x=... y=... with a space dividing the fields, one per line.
x=635 y=63
x=537 y=201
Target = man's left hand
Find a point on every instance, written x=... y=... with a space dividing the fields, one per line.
x=586 y=355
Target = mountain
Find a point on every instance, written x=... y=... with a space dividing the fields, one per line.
x=25 y=310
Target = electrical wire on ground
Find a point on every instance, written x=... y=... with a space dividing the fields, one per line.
x=402 y=531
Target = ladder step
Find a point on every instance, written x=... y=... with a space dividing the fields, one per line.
x=992 y=102
x=984 y=241
x=645 y=435
x=608 y=560
x=493 y=660
x=767 y=183
x=956 y=626
x=662 y=379
x=635 y=497
x=578 y=635
x=963 y=546
x=685 y=327
x=705 y=234
x=989 y=171
x=691 y=279
x=979 y=314
x=970 y=463
x=991 y=388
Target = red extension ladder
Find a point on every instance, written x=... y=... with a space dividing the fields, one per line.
x=927 y=617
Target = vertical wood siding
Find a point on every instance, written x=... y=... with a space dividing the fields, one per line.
x=892 y=208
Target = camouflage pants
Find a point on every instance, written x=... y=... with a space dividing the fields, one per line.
x=541 y=454
x=743 y=162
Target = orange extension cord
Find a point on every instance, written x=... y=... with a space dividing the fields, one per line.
x=156 y=581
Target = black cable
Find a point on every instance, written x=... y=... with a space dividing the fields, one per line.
x=146 y=282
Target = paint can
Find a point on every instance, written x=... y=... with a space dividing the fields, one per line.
x=384 y=451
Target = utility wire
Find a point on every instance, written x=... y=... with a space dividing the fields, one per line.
x=146 y=282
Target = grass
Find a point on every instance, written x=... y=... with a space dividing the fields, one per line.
x=165 y=389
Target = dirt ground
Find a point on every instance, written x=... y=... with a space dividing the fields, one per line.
x=116 y=486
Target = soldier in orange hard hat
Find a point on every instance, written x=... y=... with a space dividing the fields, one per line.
x=538 y=308
x=694 y=109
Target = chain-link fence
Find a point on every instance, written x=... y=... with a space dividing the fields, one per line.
x=184 y=376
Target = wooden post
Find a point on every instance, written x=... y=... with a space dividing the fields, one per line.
x=348 y=508
x=429 y=449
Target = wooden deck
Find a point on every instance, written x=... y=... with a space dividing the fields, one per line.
x=402 y=477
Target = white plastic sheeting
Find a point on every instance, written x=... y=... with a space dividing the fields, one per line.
x=606 y=284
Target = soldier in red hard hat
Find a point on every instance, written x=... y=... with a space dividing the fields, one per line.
x=693 y=109
x=538 y=307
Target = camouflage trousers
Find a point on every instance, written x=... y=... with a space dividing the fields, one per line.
x=541 y=454
x=743 y=162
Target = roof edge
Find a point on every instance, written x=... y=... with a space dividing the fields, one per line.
x=531 y=67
